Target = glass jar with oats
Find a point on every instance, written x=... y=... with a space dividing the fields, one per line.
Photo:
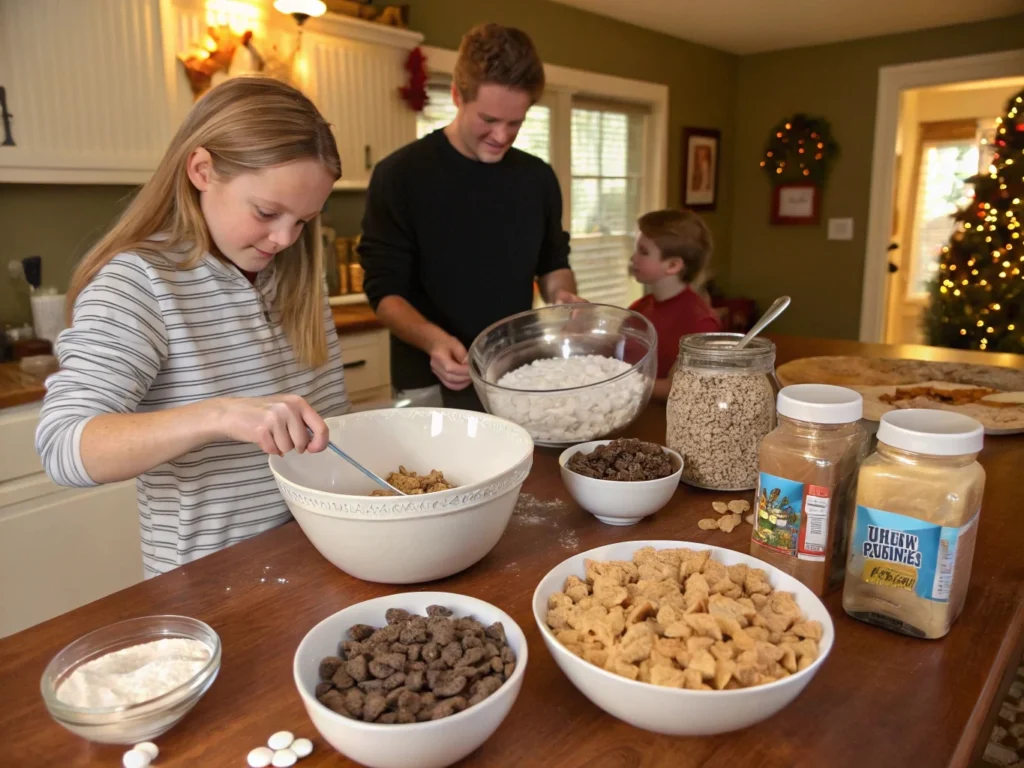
x=915 y=523
x=807 y=484
x=720 y=407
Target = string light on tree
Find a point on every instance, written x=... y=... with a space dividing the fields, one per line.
x=985 y=309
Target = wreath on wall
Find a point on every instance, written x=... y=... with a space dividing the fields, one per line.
x=800 y=149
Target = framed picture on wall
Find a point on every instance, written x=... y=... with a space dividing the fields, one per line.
x=795 y=204
x=700 y=168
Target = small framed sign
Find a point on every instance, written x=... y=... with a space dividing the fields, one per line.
x=795 y=204
x=700 y=168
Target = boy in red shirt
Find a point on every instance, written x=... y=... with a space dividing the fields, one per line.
x=672 y=252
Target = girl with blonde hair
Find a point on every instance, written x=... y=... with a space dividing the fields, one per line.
x=201 y=339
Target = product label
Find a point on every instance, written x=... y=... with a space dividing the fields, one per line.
x=907 y=554
x=792 y=517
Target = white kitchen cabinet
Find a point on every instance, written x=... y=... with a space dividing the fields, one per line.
x=367 y=360
x=85 y=86
x=355 y=79
x=96 y=91
x=60 y=548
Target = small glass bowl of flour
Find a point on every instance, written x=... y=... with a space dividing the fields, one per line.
x=131 y=681
x=569 y=373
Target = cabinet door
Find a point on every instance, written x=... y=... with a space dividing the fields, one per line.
x=66 y=549
x=85 y=90
x=355 y=84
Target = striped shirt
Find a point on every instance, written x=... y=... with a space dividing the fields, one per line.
x=148 y=336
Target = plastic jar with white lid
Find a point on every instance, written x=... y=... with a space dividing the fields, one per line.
x=807 y=477
x=915 y=523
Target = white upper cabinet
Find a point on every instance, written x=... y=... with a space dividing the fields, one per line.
x=85 y=90
x=354 y=77
x=94 y=88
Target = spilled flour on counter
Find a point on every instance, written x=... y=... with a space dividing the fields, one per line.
x=134 y=674
x=530 y=510
x=569 y=540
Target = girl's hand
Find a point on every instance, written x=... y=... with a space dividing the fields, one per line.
x=277 y=424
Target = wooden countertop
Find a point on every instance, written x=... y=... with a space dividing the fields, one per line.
x=881 y=699
x=18 y=387
x=352 y=318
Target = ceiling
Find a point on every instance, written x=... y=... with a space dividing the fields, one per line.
x=755 y=26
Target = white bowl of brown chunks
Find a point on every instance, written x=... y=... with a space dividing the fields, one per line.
x=680 y=638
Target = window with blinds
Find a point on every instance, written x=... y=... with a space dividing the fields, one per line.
x=606 y=164
x=534 y=135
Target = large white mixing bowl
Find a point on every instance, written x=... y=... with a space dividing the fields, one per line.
x=408 y=539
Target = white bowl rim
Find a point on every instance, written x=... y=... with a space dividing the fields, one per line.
x=639 y=685
x=422 y=498
x=66 y=712
x=436 y=598
x=652 y=350
x=564 y=457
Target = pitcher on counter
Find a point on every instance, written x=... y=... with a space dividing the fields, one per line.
x=459 y=224
x=201 y=338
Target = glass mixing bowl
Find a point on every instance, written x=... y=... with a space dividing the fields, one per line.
x=566 y=416
x=133 y=723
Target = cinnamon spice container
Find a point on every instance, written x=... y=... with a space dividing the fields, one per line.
x=807 y=484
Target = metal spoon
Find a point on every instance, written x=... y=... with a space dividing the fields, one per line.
x=774 y=311
x=376 y=478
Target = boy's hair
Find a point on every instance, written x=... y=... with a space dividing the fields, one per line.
x=679 y=234
x=492 y=53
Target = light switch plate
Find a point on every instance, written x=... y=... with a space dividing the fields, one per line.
x=840 y=229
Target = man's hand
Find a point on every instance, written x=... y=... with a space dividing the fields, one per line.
x=449 y=362
x=563 y=296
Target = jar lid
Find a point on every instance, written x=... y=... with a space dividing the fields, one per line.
x=938 y=433
x=820 y=403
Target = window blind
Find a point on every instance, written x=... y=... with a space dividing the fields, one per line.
x=607 y=158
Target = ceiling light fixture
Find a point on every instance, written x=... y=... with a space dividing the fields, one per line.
x=301 y=10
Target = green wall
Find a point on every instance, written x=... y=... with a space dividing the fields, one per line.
x=838 y=82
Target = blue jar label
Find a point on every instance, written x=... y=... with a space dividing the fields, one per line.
x=906 y=553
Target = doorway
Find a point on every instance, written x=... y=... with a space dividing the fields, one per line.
x=896 y=260
x=944 y=138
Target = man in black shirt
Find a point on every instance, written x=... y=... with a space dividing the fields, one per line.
x=459 y=224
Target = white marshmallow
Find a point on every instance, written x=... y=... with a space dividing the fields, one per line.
x=284 y=758
x=260 y=757
x=135 y=758
x=550 y=416
x=302 y=748
x=149 y=748
x=281 y=740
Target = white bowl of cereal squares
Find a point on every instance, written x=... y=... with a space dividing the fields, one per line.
x=620 y=482
x=567 y=373
x=416 y=538
x=729 y=646
x=424 y=703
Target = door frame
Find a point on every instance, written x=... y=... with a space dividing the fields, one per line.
x=892 y=81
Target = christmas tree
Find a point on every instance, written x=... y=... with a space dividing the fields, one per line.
x=977 y=298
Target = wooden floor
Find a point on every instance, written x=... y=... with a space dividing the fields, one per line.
x=1006 y=744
